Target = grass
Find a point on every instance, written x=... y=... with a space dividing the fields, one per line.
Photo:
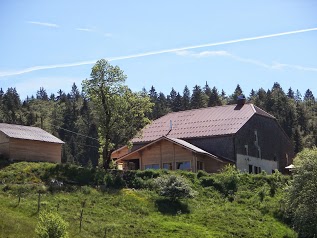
x=130 y=212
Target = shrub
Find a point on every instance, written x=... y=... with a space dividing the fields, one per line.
x=228 y=180
x=202 y=173
x=207 y=181
x=174 y=187
x=301 y=194
x=51 y=225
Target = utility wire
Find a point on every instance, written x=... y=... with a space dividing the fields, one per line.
x=75 y=133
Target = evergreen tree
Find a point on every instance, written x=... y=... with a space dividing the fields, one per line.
x=41 y=94
x=199 y=98
x=298 y=96
x=178 y=106
x=214 y=98
x=290 y=94
x=186 y=99
x=234 y=97
x=171 y=99
x=207 y=90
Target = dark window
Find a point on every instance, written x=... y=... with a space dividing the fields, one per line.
x=151 y=166
x=260 y=170
x=183 y=165
x=256 y=170
x=167 y=166
x=250 y=169
x=200 y=165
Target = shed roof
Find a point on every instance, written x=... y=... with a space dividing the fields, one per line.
x=28 y=133
x=211 y=121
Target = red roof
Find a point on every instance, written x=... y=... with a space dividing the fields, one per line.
x=211 y=121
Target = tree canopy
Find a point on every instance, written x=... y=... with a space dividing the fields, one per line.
x=120 y=112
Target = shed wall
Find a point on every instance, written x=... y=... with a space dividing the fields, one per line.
x=4 y=145
x=28 y=150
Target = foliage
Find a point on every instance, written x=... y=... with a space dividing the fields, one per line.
x=174 y=187
x=120 y=112
x=144 y=212
x=51 y=225
x=301 y=197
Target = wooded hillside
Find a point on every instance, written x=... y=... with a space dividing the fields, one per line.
x=72 y=117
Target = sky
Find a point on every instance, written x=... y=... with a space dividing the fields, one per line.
x=53 y=44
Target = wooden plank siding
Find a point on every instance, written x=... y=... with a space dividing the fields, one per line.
x=165 y=151
x=29 y=150
x=4 y=145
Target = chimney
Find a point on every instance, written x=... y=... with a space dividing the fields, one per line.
x=241 y=100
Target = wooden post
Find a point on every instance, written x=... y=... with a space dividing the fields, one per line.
x=81 y=219
x=39 y=202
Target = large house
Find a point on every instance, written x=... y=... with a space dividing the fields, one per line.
x=27 y=143
x=208 y=139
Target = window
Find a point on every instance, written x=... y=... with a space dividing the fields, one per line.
x=256 y=170
x=246 y=150
x=256 y=137
x=250 y=169
x=183 y=165
x=200 y=165
x=151 y=166
x=167 y=166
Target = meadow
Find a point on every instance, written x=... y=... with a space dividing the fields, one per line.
x=117 y=204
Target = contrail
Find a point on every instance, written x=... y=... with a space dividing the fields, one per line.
x=36 y=68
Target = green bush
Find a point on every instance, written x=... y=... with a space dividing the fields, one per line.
x=51 y=225
x=207 y=181
x=174 y=187
x=202 y=173
x=300 y=206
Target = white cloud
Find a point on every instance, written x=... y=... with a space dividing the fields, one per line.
x=273 y=66
x=85 y=29
x=175 y=50
x=43 y=24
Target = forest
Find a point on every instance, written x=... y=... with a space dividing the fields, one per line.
x=72 y=116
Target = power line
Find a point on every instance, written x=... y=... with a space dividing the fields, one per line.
x=76 y=133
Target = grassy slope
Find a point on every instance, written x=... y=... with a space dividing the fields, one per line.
x=142 y=213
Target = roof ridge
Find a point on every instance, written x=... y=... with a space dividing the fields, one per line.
x=263 y=112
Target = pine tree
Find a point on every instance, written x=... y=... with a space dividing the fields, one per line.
x=199 y=98
x=234 y=97
x=290 y=94
x=214 y=98
x=41 y=94
x=186 y=99
x=178 y=106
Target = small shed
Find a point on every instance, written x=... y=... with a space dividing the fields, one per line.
x=27 y=143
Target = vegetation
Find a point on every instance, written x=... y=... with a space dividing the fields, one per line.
x=173 y=187
x=51 y=225
x=301 y=197
x=126 y=204
x=120 y=112
x=75 y=117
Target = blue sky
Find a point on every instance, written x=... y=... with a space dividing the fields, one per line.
x=52 y=44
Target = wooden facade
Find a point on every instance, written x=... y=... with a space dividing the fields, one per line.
x=29 y=150
x=165 y=154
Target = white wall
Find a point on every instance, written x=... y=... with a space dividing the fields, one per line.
x=243 y=162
